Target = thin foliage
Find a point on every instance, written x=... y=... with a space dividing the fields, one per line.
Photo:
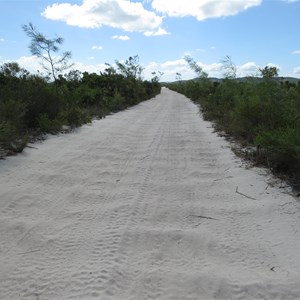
x=45 y=49
x=195 y=67
x=229 y=67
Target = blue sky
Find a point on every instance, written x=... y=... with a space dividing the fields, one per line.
x=254 y=33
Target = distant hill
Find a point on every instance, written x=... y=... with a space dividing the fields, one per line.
x=289 y=79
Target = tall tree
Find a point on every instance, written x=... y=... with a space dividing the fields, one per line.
x=45 y=49
x=195 y=67
x=269 y=72
x=157 y=76
x=228 y=67
x=131 y=68
x=178 y=76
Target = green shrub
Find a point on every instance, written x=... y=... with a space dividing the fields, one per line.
x=283 y=148
x=13 y=111
x=12 y=131
x=30 y=103
x=11 y=139
x=75 y=116
x=48 y=125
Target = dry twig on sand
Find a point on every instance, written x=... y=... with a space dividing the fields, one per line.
x=202 y=217
x=237 y=191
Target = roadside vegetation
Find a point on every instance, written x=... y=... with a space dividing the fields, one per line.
x=263 y=114
x=34 y=104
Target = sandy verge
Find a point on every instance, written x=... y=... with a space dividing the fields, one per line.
x=147 y=203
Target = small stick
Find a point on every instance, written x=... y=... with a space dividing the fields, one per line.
x=202 y=217
x=243 y=194
x=32 y=147
x=32 y=251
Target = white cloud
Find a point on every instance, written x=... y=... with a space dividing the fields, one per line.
x=203 y=9
x=252 y=69
x=272 y=65
x=296 y=52
x=97 y=48
x=2 y=40
x=247 y=69
x=121 y=37
x=213 y=69
x=297 y=70
x=157 y=32
x=33 y=64
x=170 y=68
x=123 y=14
x=94 y=68
x=30 y=63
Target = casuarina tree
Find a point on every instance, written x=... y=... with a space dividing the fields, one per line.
x=48 y=51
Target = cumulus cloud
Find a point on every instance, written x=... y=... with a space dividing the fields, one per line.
x=272 y=65
x=93 y=68
x=297 y=70
x=170 y=68
x=97 y=48
x=2 y=40
x=296 y=52
x=213 y=69
x=30 y=63
x=247 y=69
x=122 y=14
x=121 y=37
x=33 y=64
x=203 y=9
x=159 y=31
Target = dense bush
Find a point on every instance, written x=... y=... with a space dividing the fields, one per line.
x=261 y=112
x=32 y=104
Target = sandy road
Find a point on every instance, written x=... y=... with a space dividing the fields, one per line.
x=144 y=205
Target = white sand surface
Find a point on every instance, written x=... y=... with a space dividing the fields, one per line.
x=144 y=205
